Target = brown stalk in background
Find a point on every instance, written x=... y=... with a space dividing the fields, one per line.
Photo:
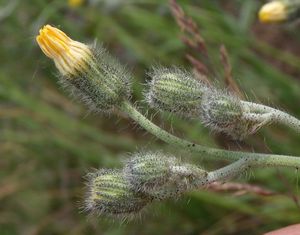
x=229 y=81
x=191 y=37
x=240 y=189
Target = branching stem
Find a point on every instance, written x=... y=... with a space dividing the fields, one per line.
x=225 y=173
x=257 y=159
x=275 y=115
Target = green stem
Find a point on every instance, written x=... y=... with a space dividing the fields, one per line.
x=241 y=166
x=257 y=159
x=225 y=173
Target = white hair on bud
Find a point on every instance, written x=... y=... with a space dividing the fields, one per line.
x=159 y=175
x=174 y=90
x=108 y=193
x=103 y=85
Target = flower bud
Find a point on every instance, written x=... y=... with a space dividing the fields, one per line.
x=175 y=91
x=279 y=11
x=222 y=112
x=89 y=73
x=160 y=176
x=109 y=193
x=225 y=113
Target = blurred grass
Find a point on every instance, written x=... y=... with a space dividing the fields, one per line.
x=48 y=142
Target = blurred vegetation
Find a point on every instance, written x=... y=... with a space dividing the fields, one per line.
x=48 y=142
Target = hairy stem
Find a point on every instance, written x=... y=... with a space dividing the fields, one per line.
x=225 y=173
x=276 y=115
x=241 y=166
x=257 y=159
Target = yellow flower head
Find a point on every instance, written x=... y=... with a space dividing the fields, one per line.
x=273 y=12
x=75 y=3
x=70 y=57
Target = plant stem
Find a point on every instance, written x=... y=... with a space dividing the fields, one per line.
x=257 y=159
x=240 y=166
x=224 y=173
x=276 y=115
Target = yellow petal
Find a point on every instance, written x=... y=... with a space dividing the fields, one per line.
x=69 y=56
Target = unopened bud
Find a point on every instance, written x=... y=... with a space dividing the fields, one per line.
x=89 y=73
x=220 y=111
x=160 y=176
x=174 y=90
x=109 y=193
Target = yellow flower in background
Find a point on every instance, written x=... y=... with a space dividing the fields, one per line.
x=273 y=12
x=75 y=3
x=69 y=56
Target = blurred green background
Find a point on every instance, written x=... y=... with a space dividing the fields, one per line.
x=48 y=142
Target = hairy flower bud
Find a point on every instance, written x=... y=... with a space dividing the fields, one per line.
x=221 y=112
x=175 y=91
x=225 y=113
x=160 y=176
x=109 y=193
x=89 y=73
x=279 y=11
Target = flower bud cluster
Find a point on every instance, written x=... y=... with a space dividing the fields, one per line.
x=146 y=177
x=177 y=91
x=102 y=83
